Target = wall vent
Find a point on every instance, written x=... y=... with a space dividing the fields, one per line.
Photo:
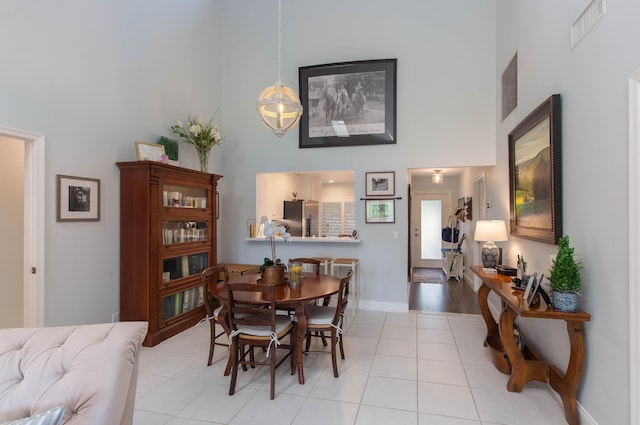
x=586 y=20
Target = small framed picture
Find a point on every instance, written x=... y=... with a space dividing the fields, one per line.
x=149 y=151
x=381 y=184
x=78 y=199
x=535 y=289
x=532 y=289
x=526 y=284
x=380 y=211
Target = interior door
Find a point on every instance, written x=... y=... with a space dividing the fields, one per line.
x=427 y=215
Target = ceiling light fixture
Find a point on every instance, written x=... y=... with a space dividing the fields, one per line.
x=278 y=105
x=437 y=178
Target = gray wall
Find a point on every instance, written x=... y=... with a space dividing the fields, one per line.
x=593 y=81
x=445 y=104
x=95 y=76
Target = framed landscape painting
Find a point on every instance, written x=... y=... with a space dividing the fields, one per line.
x=534 y=174
x=348 y=104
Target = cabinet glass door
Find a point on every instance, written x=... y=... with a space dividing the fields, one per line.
x=174 y=232
x=175 y=196
x=182 y=302
x=183 y=266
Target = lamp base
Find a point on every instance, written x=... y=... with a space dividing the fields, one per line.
x=490 y=254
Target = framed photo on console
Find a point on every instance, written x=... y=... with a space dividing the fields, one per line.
x=348 y=104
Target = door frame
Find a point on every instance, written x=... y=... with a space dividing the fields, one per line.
x=634 y=247
x=34 y=224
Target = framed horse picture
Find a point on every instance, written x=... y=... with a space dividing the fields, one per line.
x=348 y=104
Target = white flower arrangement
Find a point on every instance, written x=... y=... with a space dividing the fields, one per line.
x=271 y=231
x=203 y=136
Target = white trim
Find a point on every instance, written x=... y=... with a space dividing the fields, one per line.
x=634 y=251
x=383 y=306
x=34 y=201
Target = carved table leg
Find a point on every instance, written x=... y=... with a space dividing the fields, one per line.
x=522 y=370
x=492 y=326
x=567 y=384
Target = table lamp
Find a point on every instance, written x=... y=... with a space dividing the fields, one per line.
x=490 y=231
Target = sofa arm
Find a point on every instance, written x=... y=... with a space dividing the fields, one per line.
x=90 y=369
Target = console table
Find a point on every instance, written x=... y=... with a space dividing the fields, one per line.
x=524 y=370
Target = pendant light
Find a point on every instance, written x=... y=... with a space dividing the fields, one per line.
x=278 y=105
x=437 y=178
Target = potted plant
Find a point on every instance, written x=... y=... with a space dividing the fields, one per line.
x=564 y=278
x=170 y=149
x=272 y=270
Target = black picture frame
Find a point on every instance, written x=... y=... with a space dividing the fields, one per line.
x=535 y=174
x=381 y=183
x=380 y=210
x=348 y=104
x=77 y=198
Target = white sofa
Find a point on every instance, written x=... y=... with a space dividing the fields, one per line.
x=90 y=369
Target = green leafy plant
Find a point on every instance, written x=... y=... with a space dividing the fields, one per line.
x=170 y=147
x=565 y=270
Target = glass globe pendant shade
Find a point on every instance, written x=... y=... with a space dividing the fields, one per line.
x=279 y=107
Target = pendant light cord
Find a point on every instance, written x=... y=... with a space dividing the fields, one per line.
x=279 y=40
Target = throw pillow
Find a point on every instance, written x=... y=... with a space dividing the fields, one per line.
x=50 y=417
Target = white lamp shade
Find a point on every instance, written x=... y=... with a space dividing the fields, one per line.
x=437 y=178
x=491 y=230
x=279 y=107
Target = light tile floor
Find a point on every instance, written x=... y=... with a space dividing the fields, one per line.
x=400 y=368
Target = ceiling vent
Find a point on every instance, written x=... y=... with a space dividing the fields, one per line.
x=586 y=20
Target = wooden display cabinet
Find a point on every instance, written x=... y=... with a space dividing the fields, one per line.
x=167 y=236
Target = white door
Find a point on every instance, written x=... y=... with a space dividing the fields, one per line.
x=427 y=215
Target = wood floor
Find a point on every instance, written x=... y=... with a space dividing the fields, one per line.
x=443 y=296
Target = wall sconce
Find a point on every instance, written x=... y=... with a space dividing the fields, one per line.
x=437 y=178
x=490 y=231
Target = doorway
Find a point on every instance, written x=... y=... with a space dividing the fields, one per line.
x=32 y=270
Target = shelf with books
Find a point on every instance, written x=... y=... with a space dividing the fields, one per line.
x=181 y=231
x=168 y=233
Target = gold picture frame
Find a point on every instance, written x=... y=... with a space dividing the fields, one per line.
x=149 y=151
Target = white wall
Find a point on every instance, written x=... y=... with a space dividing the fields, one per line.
x=11 y=229
x=592 y=80
x=94 y=77
x=445 y=104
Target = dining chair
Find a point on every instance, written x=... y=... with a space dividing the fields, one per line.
x=322 y=319
x=253 y=325
x=311 y=261
x=211 y=276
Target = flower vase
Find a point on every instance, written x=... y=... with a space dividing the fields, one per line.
x=273 y=275
x=203 y=155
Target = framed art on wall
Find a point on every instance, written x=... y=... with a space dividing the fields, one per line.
x=380 y=210
x=348 y=103
x=78 y=199
x=534 y=174
x=381 y=183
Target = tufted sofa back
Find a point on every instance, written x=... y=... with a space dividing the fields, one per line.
x=90 y=369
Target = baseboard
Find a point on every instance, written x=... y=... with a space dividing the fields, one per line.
x=383 y=306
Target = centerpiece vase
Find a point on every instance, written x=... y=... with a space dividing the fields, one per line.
x=273 y=275
x=203 y=155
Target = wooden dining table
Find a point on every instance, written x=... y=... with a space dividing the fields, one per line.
x=312 y=287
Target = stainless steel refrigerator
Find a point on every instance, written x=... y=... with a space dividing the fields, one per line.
x=302 y=217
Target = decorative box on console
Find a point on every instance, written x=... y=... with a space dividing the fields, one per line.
x=506 y=270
